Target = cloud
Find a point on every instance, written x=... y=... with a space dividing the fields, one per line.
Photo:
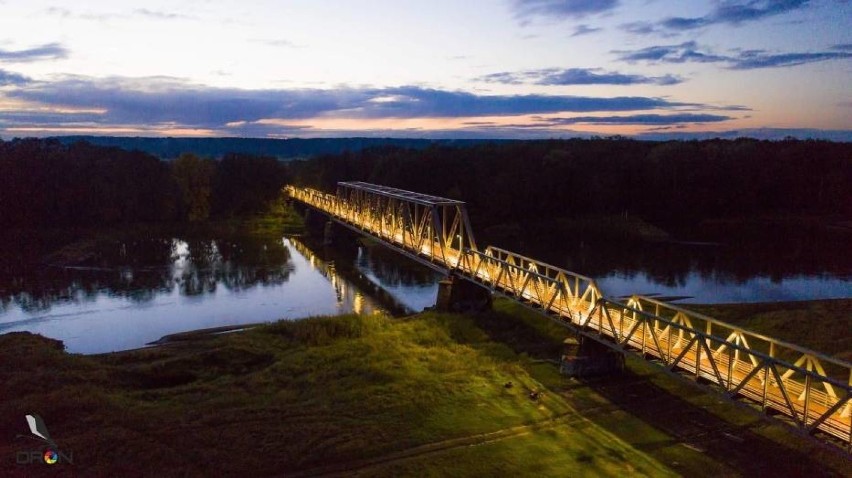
x=690 y=52
x=505 y=77
x=681 y=53
x=279 y=43
x=584 y=30
x=735 y=13
x=684 y=23
x=11 y=78
x=59 y=12
x=640 y=28
x=49 y=51
x=66 y=13
x=647 y=119
x=561 y=9
x=755 y=59
x=158 y=104
x=155 y=100
x=159 y=15
x=667 y=128
x=577 y=76
x=102 y=17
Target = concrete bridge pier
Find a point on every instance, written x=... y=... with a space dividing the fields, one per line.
x=328 y=233
x=318 y=221
x=458 y=295
x=583 y=357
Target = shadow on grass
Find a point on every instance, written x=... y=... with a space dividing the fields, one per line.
x=667 y=417
x=697 y=428
x=518 y=335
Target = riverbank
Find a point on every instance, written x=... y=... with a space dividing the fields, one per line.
x=81 y=246
x=425 y=395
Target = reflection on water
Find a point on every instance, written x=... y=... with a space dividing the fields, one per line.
x=132 y=293
x=780 y=269
x=121 y=294
x=350 y=296
x=414 y=285
x=695 y=287
x=141 y=270
x=401 y=285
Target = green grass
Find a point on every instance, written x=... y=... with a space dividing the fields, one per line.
x=561 y=450
x=277 y=220
x=298 y=395
x=420 y=396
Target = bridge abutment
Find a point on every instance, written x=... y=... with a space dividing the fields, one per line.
x=328 y=233
x=317 y=220
x=458 y=295
x=583 y=357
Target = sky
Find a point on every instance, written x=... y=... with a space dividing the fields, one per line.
x=438 y=68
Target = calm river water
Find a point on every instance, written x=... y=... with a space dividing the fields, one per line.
x=139 y=290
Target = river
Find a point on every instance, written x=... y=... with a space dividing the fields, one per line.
x=136 y=290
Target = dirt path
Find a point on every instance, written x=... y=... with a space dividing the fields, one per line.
x=346 y=469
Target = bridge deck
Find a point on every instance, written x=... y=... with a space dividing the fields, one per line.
x=810 y=389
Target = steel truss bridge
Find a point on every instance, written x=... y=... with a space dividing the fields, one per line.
x=811 y=390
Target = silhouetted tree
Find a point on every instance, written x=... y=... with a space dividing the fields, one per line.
x=245 y=184
x=194 y=177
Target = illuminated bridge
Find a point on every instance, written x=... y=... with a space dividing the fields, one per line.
x=811 y=390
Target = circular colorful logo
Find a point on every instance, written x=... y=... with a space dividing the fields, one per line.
x=51 y=457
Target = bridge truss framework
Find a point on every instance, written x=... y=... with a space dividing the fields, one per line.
x=810 y=390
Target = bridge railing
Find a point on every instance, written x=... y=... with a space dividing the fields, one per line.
x=428 y=229
x=326 y=202
x=545 y=286
x=811 y=388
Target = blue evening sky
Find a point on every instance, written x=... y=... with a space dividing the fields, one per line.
x=478 y=68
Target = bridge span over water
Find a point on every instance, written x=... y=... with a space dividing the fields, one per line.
x=805 y=388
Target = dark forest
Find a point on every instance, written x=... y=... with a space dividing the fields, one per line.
x=44 y=183
x=670 y=183
x=673 y=185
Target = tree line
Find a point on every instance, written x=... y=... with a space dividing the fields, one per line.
x=44 y=183
x=675 y=183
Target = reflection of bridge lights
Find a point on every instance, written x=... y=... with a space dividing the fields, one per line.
x=358 y=303
x=180 y=252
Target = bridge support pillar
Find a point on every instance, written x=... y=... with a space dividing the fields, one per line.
x=328 y=233
x=583 y=357
x=458 y=295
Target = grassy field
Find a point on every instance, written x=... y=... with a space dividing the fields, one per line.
x=426 y=395
x=301 y=396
